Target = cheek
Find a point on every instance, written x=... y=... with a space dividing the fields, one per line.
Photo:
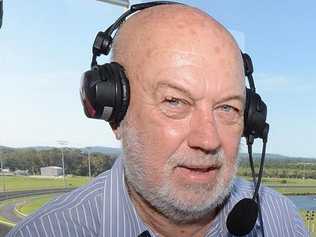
x=161 y=137
x=230 y=144
x=230 y=137
x=168 y=135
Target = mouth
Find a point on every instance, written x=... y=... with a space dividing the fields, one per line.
x=197 y=173
x=203 y=170
x=198 y=168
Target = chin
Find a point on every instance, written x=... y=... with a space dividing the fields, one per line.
x=190 y=207
x=188 y=203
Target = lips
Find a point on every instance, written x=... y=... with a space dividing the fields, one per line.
x=199 y=168
x=190 y=174
x=197 y=171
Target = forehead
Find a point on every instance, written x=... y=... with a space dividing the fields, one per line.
x=197 y=74
x=199 y=53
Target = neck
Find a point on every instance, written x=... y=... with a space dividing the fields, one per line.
x=163 y=226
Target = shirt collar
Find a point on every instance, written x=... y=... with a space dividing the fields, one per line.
x=124 y=201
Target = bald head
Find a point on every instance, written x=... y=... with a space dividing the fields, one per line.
x=179 y=28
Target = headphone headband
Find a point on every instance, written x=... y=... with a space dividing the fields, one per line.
x=103 y=41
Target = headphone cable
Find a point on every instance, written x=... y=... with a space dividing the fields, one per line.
x=255 y=181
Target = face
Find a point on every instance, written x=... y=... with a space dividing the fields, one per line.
x=182 y=130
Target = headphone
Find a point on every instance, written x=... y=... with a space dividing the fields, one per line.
x=105 y=91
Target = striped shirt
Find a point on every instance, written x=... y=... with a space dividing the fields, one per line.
x=103 y=208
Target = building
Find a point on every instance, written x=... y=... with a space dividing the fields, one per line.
x=21 y=172
x=5 y=171
x=51 y=171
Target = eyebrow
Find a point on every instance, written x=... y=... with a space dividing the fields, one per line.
x=173 y=86
x=178 y=87
x=233 y=97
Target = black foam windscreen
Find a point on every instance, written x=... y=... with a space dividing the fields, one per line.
x=242 y=217
x=145 y=234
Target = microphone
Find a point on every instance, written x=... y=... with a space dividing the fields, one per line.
x=242 y=217
x=145 y=234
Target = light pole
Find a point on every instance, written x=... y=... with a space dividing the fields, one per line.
x=63 y=143
x=1 y=12
x=89 y=163
x=84 y=152
x=2 y=174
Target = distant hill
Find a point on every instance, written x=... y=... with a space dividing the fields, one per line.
x=116 y=151
x=278 y=158
x=92 y=149
x=103 y=150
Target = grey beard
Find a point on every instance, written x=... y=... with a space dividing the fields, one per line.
x=162 y=197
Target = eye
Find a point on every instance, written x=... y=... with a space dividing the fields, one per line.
x=175 y=107
x=172 y=101
x=228 y=114
x=228 y=108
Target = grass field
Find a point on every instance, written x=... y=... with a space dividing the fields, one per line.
x=288 y=185
x=17 y=183
x=11 y=201
x=4 y=220
x=289 y=181
x=35 y=203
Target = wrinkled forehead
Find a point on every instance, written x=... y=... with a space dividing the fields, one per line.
x=166 y=37
x=194 y=71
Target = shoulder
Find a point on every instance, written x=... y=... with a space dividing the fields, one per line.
x=280 y=216
x=270 y=199
x=244 y=188
x=76 y=213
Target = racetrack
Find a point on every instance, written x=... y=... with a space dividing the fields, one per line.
x=17 y=194
x=8 y=211
x=4 y=229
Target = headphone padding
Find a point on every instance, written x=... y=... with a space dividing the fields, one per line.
x=121 y=95
x=255 y=115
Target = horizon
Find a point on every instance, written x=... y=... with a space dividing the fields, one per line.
x=119 y=148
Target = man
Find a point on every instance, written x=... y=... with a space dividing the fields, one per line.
x=180 y=140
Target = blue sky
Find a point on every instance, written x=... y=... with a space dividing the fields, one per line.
x=45 y=47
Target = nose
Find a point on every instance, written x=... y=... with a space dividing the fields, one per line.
x=203 y=134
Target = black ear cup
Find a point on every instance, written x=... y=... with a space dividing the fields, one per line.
x=105 y=93
x=123 y=96
x=255 y=116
